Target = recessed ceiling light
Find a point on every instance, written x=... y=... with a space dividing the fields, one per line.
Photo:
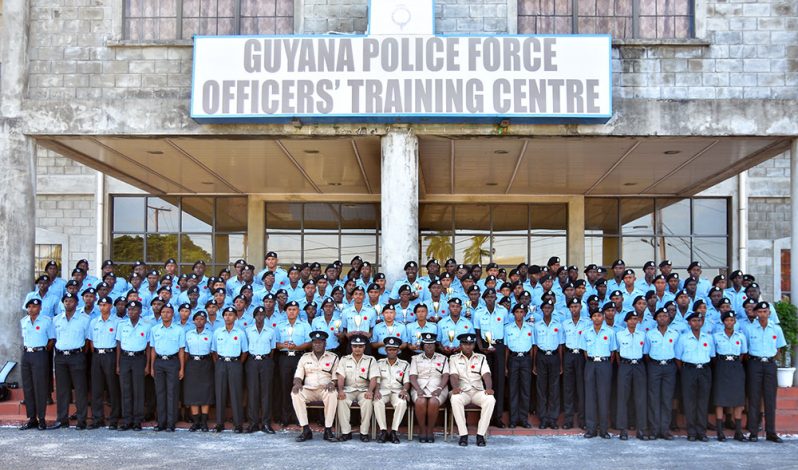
x=154 y=152
x=206 y=182
x=491 y=184
x=630 y=184
x=500 y=152
x=311 y=152
x=672 y=152
x=333 y=184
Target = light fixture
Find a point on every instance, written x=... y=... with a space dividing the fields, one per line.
x=630 y=184
x=311 y=152
x=206 y=182
x=672 y=152
x=333 y=184
x=154 y=152
x=491 y=184
x=501 y=152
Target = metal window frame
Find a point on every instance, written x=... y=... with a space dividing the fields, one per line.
x=635 y=18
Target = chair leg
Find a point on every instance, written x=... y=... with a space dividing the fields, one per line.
x=410 y=420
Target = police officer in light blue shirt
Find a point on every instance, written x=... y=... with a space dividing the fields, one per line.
x=453 y=326
x=646 y=283
x=519 y=338
x=660 y=348
x=599 y=345
x=293 y=338
x=547 y=365
x=631 y=375
x=280 y=275
x=260 y=373
x=71 y=334
x=416 y=329
x=574 y=364
x=50 y=304
x=102 y=336
x=616 y=281
x=230 y=350
x=694 y=350
x=38 y=335
x=389 y=327
x=330 y=322
x=167 y=363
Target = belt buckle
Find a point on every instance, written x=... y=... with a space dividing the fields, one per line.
x=197 y=358
x=258 y=358
x=663 y=363
x=633 y=362
x=227 y=359
x=597 y=359
x=131 y=354
x=549 y=353
x=291 y=353
x=165 y=358
x=763 y=359
x=28 y=349
x=520 y=354
x=575 y=351
x=729 y=358
x=66 y=353
x=101 y=351
x=699 y=366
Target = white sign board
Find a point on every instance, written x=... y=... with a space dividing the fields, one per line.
x=401 y=78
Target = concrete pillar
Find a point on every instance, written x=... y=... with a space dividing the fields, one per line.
x=794 y=222
x=256 y=230
x=399 y=202
x=18 y=188
x=576 y=231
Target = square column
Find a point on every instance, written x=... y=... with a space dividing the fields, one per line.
x=399 y=202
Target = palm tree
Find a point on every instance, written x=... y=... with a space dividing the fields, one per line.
x=474 y=253
x=440 y=246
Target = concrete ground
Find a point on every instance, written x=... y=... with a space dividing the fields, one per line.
x=101 y=449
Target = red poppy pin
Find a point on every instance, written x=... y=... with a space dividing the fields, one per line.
x=274 y=325
x=142 y=333
x=529 y=334
x=605 y=338
x=705 y=344
x=38 y=328
x=332 y=328
x=401 y=373
x=498 y=318
x=465 y=327
x=111 y=330
x=235 y=338
x=206 y=338
x=641 y=343
x=473 y=366
x=327 y=365
x=556 y=330
x=398 y=335
x=580 y=332
x=437 y=364
x=774 y=336
x=362 y=369
x=738 y=342
x=670 y=340
x=365 y=317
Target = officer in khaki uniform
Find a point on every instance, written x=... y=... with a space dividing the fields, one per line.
x=429 y=373
x=357 y=375
x=313 y=381
x=471 y=383
x=394 y=384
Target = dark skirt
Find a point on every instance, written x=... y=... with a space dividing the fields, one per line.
x=198 y=382
x=728 y=383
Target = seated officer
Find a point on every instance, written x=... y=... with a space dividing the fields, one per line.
x=357 y=376
x=313 y=381
x=467 y=372
x=394 y=384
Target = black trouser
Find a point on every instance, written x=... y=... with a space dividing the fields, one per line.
x=632 y=381
x=661 y=384
x=104 y=379
x=149 y=396
x=598 y=385
x=259 y=386
x=70 y=371
x=520 y=368
x=131 y=380
x=167 y=385
x=761 y=383
x=573 y=383
x=696 y=385
x=287 y=367
x=548 y=386
x=229 y=379
x=35 y=384
x=496 y=361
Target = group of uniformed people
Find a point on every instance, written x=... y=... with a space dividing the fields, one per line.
x=609 y=349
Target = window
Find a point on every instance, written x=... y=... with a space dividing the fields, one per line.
x=188 y=229
x=323 y=232
x=647 y=19
x=151 y=20
x=45 y=253
x=642 y=229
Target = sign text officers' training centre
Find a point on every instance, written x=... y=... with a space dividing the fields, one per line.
x=250 y=77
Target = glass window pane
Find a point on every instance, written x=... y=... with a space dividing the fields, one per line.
x=637 y=250
x=161 y=247
x=674 y=216
x=320 y=248
x=163 y=214
x=601 y=215
x=231 y=214
x=675 y=249
x=288 y=246
x=359 y=217
x=472 y=218
x=127 y=247
x=229 y=248
x=129 y=214
x=594 y=251
x=548 y=218
x=195 y=247
x=435 y=217
x=710 y=216
x=197 y=214
x=510 y=219
x=321 y=217
x=637 y=216
x=472 y=249
x=510 y=251
x=281 y=216
x=364 y=246
x=436 y=245
x=711 y=251
x=541 y=248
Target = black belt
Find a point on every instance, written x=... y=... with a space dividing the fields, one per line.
x=598 y=358
x=260 y=357
x=663 y=362
x=133 y=353
x=519 y=354
x=68 y=352
x=633 y=362
x=165 y=357
x=728 y=357
x=104 y=350
x=760 y=359
x=696 y=366
x=547 y=353
x=36 y=349
x=200 y=358
x=228 y=358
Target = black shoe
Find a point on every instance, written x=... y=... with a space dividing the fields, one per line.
x=624 y=436
x=590 y=434
x=381 y=436
x=252 y=428
x=652 y=437
x=775 y=438
x=543 y=425
x=329 y=435
x=42 y=425
x=73 y=416
x=59 y=425
x=80 y=426
x=481 y=441
x=123 y=427
x=365 y=438
x=395 y=437
x=526 y=425
x=431 y=439
x=691 y=438
x=641 y=436
x=721 y=436
x=667 y=436
x=345 y=437
x=218 y=428
x=753 y=437
x=463 y=441
x=159 y=428
x=238 y=429
x=170 y=429
x=498 y=424
x=739 y=436
x=96 y=425
x=29 y=425
x=553 y=425
x=267 y=428
x=512 y=426
x=605 y=435
x=567 y=425
x=306 y=435
x=703 y=438
x=112 y=427
x=137 y=427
